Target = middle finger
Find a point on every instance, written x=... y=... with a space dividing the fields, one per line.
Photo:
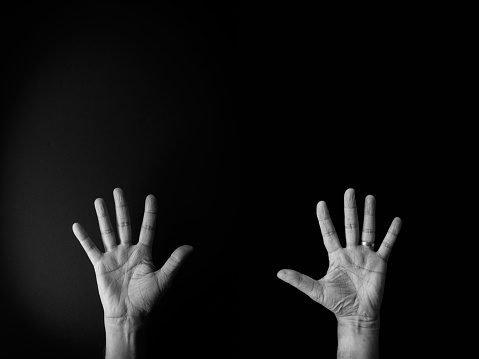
x=122 y=216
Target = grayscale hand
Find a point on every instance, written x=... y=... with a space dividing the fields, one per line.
x=354 y=283
x=128 y=282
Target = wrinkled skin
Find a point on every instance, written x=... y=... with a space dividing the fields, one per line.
x=353 y=286
x=128 y=282
x=354 y=283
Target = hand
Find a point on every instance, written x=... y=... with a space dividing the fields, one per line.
x=128 y=282
x=354 y=284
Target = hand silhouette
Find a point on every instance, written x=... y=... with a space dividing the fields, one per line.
x=128 y=282
x=354 y=284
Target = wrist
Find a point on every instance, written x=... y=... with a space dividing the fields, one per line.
x=358 y=337
x=124 y=336
x=125 y=324
x=356 y=325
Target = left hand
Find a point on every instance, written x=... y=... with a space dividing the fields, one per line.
x=128 y=282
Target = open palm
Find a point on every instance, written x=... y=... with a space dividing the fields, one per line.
x=128 y=282
x=354 y=283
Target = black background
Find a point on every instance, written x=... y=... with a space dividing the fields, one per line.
x=129 y=95
x=375 y=99
x=367 y=98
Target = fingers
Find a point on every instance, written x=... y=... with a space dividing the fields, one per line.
x=122 y=216
x=330 y=237
x=304 y=283
x=388 y=242
x=91 y=250
x=351 y=222
x=148 y=226
x=369 y=224
x=166 y=273
x=106 y=229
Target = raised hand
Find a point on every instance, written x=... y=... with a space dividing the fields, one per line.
x=354 y=283
x=128 y=282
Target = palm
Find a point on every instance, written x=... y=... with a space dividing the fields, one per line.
x=354 y=283
x=128 y=282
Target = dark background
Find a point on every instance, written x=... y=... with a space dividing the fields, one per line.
x=131 y=95
x=370 y=98
x=376 y=99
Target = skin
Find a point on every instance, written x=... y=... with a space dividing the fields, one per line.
x=128 y=282
x=353 y=286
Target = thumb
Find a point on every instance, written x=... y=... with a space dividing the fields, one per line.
x=166 y=273
x=304 y=283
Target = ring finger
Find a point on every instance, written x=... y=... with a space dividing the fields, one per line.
x=369 y=223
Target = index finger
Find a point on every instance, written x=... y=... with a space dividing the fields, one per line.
x=388 y=242
x=148 y=226
x=90 y=248
x=330 y=237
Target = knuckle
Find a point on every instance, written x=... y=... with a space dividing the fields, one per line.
x=175 y=260
x=387 y=244
x=299 y=281
x=148 y=227
x=393 y=231
x=329 y=233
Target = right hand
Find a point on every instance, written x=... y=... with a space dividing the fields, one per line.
x=354 y=283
